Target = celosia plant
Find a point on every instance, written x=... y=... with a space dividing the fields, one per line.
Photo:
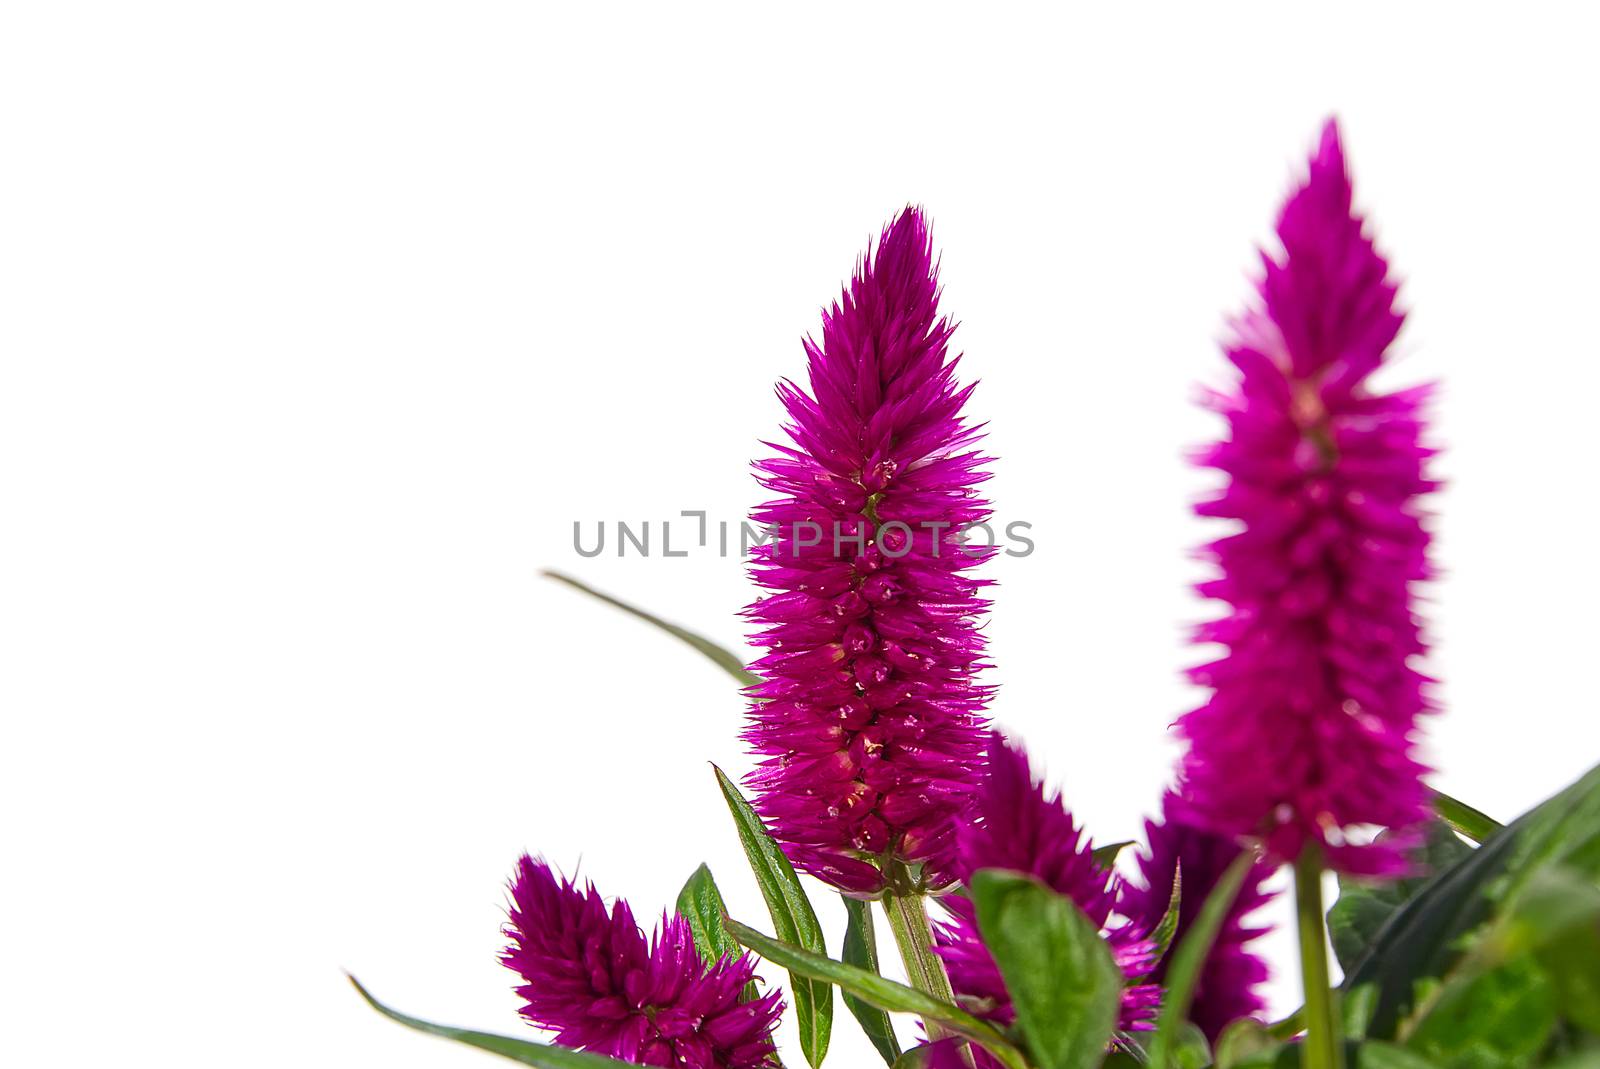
x=1463 y=943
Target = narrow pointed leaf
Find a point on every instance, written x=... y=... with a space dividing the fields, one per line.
x=700 y=903
x=1474 y=824
x=1162 y=936
x=718 y=655
x=878 y=990
x=1064 y=984
x=792 y=917
x=1190 y=957
x=861 y=950
x=1106 y=856
x=518 y=1050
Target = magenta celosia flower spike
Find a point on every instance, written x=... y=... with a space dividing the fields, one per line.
x=1309 y=730
x=867 y=717
x=591 y=978
x=1015 y=825
x=1229 y=983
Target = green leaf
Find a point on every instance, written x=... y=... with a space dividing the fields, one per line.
x=1356 y=1008
x=1563 y=831
x=1184 y=968
x=700 y=903
x=1064 y=984
x=1260 y=1051
x=1474 y=824
x=1190 y=1050
x=1162 y=936
x=1379 y=1055
x=1582 y=1059
x=721 y=656
x=1365 y=906
x=1554 y=922
x=518 y=1050
x=1129 y=1050
x=1427 y=934
x=1106 y=856
x=1498 y=1020
x=1557 y=906
x=878 y=990
x=792 y=917
x=1573 y=966
x=1244 y=1040
x=861 y=950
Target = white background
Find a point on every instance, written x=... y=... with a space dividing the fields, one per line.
x=323 y=323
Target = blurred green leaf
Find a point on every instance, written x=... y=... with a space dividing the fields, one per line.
x=1573 y=966
x=1554 y=921
x=1356 y=1009
x=1280 y=1055
x=718 y=655
x=1106 y=856
x=1190 y=1050
x=518 y=1050
x=878 y=990
x=1558 y=905
x=1563 y=831
x=1244 y=1040
x=1365 y=906
x=1498 y=1020
x=1427 y=934
x=861 y=950
x=1376 y=1054
x=1581 y=1059
x=792 y=917
x=1064 y=984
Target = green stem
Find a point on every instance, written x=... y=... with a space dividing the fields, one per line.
x=1324 y=1048
x=913 y=935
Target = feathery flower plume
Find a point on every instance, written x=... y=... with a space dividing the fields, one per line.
x=1227 y=988
x=867 y=717
x=1308 y=731
x=1016 y=826
x=593 y=980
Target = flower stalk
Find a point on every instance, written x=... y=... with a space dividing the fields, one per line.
x=1324 y=1047
x=913 y=936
